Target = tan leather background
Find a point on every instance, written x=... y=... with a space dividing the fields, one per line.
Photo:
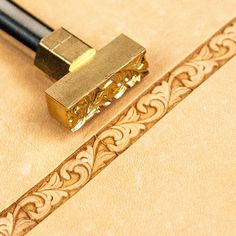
x=179 y=178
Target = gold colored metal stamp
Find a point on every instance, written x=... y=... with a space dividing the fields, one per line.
x=87 y=81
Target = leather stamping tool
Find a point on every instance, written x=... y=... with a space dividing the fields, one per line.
x=86 y=80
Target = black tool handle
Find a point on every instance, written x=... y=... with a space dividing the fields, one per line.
x=22 y=25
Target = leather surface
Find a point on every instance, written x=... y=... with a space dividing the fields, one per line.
x=177 y=179
x=32 y=144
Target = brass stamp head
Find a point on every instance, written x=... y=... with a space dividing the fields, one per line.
x=88 y=81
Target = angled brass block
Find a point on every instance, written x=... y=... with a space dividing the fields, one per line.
x=60 y=52
x=79 y=95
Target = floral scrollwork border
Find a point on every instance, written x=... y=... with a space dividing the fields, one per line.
x=78 y=169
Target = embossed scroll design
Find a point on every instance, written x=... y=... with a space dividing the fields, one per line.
x=104 y=147
x=111 y=89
